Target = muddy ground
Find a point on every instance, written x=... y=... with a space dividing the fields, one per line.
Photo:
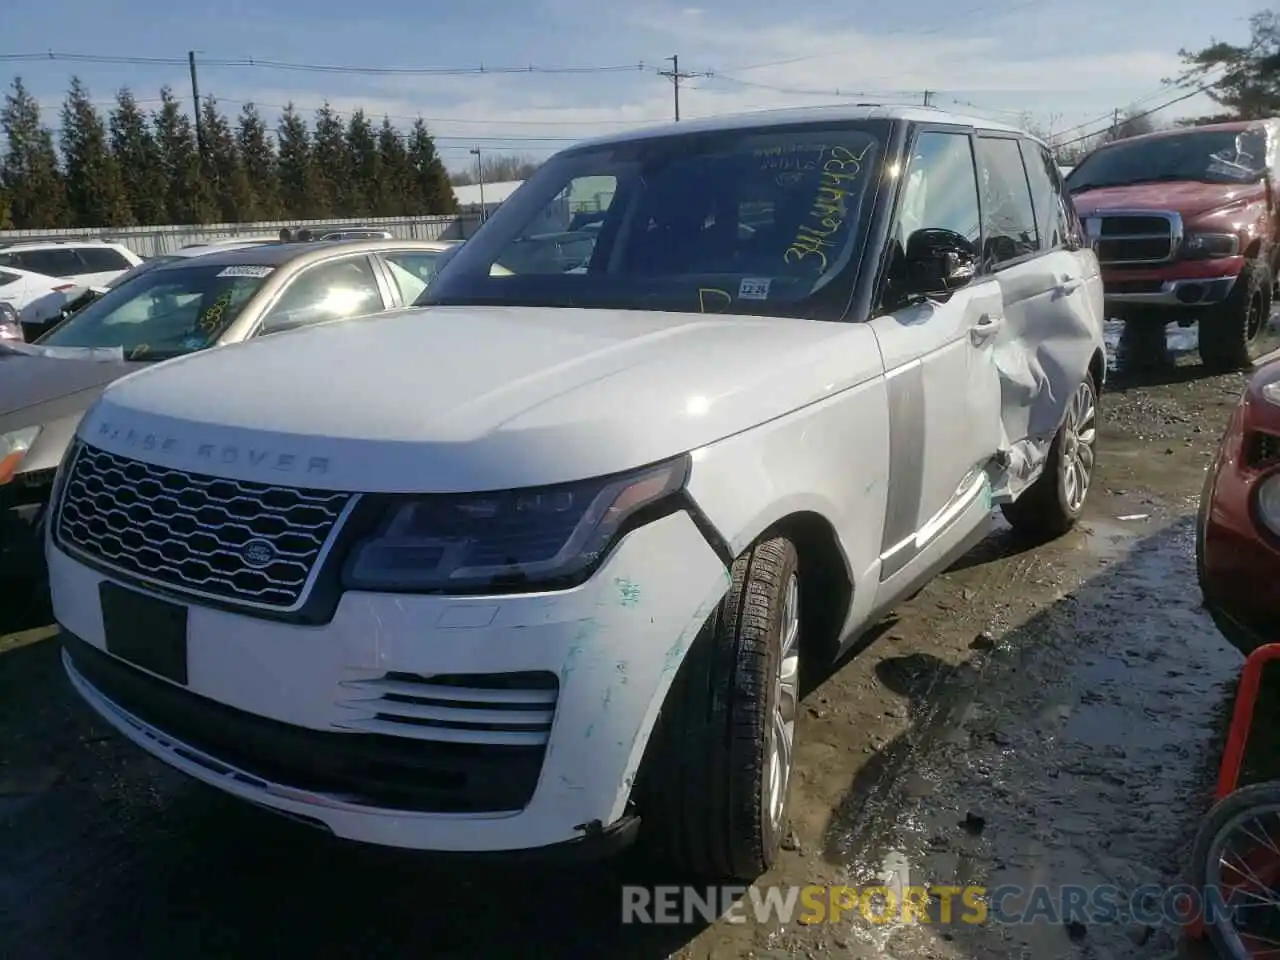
x=1048 y=715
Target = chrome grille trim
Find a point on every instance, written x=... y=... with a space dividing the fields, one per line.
x=1095 y=228
x=90 y=515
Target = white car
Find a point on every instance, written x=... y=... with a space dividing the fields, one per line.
x=537 y=566
x=33 y=300
x=88 y=263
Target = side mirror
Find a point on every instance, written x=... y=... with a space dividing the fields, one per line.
x=939 y=262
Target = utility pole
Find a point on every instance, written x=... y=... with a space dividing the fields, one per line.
x=1115 y=124
x=675 y=77
x=195 y=102
x=475 y=152
x=928 y=95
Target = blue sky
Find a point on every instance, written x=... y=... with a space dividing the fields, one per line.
x=1065 y=64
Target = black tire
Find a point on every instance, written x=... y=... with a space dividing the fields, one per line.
x=1259 y=797
x=1230 y=332
x=1044 y=510
x=703 y=794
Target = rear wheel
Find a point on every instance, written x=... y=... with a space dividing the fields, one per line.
x=1236 y=870
x=1052 y=505
x=1230 y=333
x=713 y=793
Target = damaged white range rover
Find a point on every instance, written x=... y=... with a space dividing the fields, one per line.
x=535 y=568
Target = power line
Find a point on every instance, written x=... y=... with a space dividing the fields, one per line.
x=1203 y=88
x=268 y=64
x=675 y=76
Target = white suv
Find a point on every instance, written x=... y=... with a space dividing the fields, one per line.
x=88 y=263
x=538 y=565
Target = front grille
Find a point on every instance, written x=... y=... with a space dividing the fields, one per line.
x=251 y=543
x=1135 y=239
x=1262 y=450
x=513 y=709
x=369 y=769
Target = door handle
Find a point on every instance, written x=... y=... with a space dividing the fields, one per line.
x=1067 y=285
x=986 y=325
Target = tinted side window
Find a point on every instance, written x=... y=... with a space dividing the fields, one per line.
x=102 y=259
x=327 y=291
x=7 y=278
x=1044 y=195
x=53 y=262
x=1009 y=217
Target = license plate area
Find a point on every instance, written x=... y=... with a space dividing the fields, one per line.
x=145 y=631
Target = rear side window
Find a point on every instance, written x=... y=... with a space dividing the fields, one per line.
x=52 y=262
x=1008 y=214
x=102 y=259
x=1044 y=195
x=7 y=278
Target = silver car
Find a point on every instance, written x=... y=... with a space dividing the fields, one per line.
x=172 y=309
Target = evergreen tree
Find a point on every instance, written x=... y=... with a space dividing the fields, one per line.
x=187 y=194
x=138 y=158
x=95 y=192
x=259 y=161
x=30 y=175
x=365 y=165
x=332 y=164
x=296 y=168
x=393 y=162
x=431 y=191
x=231 y=189
x=6 y=211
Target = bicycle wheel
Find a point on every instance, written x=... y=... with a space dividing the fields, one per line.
x=1236 y=869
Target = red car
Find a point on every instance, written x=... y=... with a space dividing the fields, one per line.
x=1238 y=528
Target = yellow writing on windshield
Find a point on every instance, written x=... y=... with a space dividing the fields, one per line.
x=140 y=350
x=711 y=300
x=213 y=316
x=830 y=211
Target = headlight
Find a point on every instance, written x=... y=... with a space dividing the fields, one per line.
x=1206 y=246
x=10 y=328
x=1269 y=503
x=1271 y=393
x=13 y=447
x=502 y=540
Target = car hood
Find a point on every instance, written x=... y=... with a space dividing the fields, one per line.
x=455 y=399
x=1189 y=198
x=31 y=376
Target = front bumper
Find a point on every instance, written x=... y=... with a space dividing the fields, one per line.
x=1174 y=294
x=321 y=724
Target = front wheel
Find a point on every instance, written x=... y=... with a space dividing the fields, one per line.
x=1053 y=504
x=1230 y=333
x=713 y=792
x=1235 y=869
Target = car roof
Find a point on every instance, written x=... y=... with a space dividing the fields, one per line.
x=17 y=246
x=278 y=254
x=1230 y=126
x=786 y=116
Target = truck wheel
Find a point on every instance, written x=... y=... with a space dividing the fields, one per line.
x=712 y=795
x=1229 y=333
x=1052 y=505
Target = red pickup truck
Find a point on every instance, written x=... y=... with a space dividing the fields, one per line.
x=1185 y=225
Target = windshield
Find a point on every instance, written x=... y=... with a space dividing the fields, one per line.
x=163 y=313
x=761 y=222
x=1208 y=156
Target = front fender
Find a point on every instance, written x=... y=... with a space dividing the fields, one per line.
x=830 y=458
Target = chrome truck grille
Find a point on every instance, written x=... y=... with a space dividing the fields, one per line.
x=1124 y=238
x=254 y=544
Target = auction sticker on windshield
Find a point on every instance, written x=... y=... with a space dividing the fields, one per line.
x=246 y=271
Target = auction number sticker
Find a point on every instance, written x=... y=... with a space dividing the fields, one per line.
x=246 y=271
x=754 y=288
